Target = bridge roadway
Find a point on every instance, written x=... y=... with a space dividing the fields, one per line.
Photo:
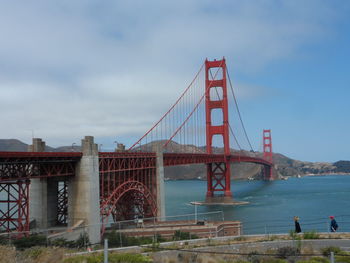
x=27 y=165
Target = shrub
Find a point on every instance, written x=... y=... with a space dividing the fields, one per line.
x=62 y=242
x=273 y=237
x=327 y=251
x=343 y=259
x=114 y=239
x=4 y=240
x=285 y=252
x=117 y=240
x=292 y=234
x=112 y=258
x=30 y=241
x=311 y=235
x=240 y=238
x=136 y=241
x=253 y=257
x=82 y=241
x=179 y=235
x=315 y=260
x=34 y=252
x=272 y=260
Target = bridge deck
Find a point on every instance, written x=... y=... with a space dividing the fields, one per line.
x=26 y=165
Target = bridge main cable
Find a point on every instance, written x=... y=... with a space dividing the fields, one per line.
x=194 y=109
x=239 y=113
x=172 y=107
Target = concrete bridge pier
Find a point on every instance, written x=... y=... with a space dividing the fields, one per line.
x=84 y=192
x=160 y=186
x=43 y=195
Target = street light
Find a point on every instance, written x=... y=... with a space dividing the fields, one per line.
x=73 y=146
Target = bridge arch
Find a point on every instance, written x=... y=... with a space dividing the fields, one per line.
x=128 y=195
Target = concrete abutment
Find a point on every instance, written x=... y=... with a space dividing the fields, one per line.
x=160 y=186
x=43 y=195
x=84 y=192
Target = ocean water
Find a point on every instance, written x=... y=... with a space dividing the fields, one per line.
x=272 y=205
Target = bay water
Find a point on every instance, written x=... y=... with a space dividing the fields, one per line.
x=272 y=205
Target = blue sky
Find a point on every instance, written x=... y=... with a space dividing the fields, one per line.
x=111 y=68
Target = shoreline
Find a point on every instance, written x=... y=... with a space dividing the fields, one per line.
x=247 y=179
x=324 y=174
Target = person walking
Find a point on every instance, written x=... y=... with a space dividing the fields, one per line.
x=333 y=225
x=297 y=225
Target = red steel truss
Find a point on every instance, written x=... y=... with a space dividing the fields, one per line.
x=14 y=210
x=16 y=170
x=26 y=165
x=217 y=179
x=127 y=186
x=62 y=203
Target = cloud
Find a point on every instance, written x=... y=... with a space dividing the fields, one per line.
x=112 y=68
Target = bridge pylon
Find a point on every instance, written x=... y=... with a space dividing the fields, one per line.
x=218 y=174
x=268 y=155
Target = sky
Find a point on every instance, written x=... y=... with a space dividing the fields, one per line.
x=111 y=68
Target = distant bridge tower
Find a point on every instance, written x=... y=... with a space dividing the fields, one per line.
x=268 y=156
x=218 y=174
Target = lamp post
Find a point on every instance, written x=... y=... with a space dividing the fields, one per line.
x=73 y=146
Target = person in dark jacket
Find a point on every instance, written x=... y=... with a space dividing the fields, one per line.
x=334 y=225
x=297 y=225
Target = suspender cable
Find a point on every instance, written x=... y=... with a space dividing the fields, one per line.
x=239 y=113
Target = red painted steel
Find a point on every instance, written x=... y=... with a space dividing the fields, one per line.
x=62 y=203
x=26 y=165
x=218 y=180
x=268 y=155
x=127 y=186
x=15 y=198
x=173 y=159
x=16 y=168
x=40 y=155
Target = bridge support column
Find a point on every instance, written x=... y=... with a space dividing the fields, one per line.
x=268 y=176
x=160 y=186
x=219 y=180
x=218 y=174
x=84 y=192
x=43 y=195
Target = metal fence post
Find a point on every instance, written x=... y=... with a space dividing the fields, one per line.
x=195 y=212
x=105 y=252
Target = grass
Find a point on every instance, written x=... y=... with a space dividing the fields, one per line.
x=311 y=235
x=112 y=258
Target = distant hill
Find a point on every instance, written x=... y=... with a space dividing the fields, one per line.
x=342 y=166
x=14 y=145
x=285 y=167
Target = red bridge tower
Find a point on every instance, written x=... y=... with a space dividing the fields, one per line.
x=267 y=141
x=218 y=174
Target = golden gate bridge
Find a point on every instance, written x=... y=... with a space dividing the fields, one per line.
x=90 y=186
